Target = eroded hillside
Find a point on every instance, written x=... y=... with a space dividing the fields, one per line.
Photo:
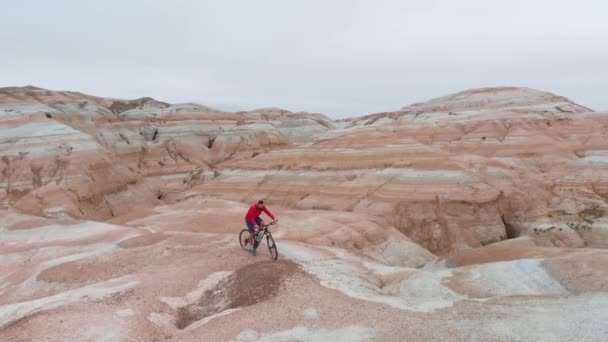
x=476 y=216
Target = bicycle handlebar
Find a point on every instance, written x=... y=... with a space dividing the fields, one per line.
x=268 y=224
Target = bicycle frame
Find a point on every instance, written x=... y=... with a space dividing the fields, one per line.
x=261 y=234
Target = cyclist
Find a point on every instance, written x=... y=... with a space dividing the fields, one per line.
x=254 y=222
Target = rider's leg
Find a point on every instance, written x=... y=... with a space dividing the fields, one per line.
x=259 y=222
x=250 y=240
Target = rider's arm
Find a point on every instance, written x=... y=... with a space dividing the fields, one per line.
x=269 y=213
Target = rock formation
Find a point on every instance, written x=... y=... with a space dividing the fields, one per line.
x=476 y=216
x=91 y=154
x=489 y=174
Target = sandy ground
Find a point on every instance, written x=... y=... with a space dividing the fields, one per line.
x=142 y=282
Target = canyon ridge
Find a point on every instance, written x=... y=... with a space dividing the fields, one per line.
x=476 y=216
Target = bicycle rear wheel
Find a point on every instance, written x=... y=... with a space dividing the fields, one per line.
x=272 y=248
x=243 y=236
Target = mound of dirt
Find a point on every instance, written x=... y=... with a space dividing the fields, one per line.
x=259 y=282
x=247 y=286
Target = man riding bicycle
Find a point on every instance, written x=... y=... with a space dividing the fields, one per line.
x=254 y=222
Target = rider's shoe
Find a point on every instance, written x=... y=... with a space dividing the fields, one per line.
x=252 y=251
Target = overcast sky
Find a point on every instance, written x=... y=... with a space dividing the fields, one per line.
x=342 y=58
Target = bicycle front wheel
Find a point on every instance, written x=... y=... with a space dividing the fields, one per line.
x=272 y=247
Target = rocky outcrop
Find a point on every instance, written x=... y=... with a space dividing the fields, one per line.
x=450 y=184
x=52 y=169
x=66 y=153
x=503 y=162
x=477 y=103
x=298 y=127
x=478 y=216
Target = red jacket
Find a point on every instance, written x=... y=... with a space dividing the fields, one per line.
x=255 y=212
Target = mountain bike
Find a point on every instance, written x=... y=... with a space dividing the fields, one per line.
x=258 y=236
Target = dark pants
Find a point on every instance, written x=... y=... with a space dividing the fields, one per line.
x=250 y=225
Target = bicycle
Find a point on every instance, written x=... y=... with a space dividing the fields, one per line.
x=258 y=236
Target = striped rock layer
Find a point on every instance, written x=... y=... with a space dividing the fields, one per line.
x=456 y=172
